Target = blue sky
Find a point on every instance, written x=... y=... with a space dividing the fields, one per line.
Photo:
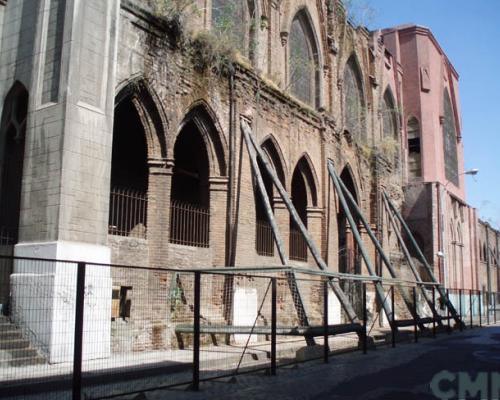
x=469 y=33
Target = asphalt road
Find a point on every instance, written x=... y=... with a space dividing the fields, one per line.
x=403 y=373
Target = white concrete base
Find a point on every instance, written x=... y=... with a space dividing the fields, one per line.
x=245 y=312
x=44 y=297
x=383 y=317
x=334 y=309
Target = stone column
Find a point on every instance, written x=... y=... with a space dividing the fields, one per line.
x=218 y=217
x=67 y=63
x=159 y=188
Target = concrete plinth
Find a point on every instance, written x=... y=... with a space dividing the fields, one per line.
x=44 y=296
x=245 y=309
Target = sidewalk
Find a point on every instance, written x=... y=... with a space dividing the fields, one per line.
x=404 y=372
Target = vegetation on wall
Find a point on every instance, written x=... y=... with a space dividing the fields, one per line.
x=230 y=41
x=209 y=51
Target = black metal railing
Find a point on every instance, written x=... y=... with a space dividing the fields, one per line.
x=175 y=318
x=298 y=246
x=264 y=240
x=128 y=213
x=189 y=224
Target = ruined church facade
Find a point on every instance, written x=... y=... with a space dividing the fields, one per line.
x=121 y=138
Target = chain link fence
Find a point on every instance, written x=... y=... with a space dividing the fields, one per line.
x=72 y=330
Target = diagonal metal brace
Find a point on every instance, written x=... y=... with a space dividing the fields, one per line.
x=344 y=301
x=378 y=246
x=442 y=293
x=291 y=279
x=369 y=266
x=411 y=264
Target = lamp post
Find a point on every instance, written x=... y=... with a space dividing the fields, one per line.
x=441 y=253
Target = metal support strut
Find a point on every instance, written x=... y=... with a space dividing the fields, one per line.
x=343 y=299
x=371 y=270
x=430 y=301
x=428 y=268
x=292 y=282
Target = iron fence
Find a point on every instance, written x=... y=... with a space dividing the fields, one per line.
x=128 y=213
x=99 y=331
x=264 y=239
x=189 y=224
x=298 y=246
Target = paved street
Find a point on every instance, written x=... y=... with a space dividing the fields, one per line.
x=383 y=374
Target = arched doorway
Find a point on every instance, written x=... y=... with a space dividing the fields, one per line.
x=12 y=143
x=139 y=148
x=264 y=238
x=304 y=195
x=190 y=194
x=348 y=256
x=129 y=173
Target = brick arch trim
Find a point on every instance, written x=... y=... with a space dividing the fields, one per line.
x=151 y=113
x=208 y=125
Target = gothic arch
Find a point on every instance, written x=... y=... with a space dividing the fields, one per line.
x=390 y=115
x=450 y=140
x=414 y=148
x=207 y=123
x=304 y=58
x=354 y=98
x=148 y=106
x=349 y=260
x=273 y=150
x=12 y=148
x=291 y=8
x=304 y=195
x=139 y=142
x=306 y=169
x=348 y=176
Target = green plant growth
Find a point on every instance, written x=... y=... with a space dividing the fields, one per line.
x=174 y=9
x=389 y=146
x=210 y=52
x=233 y=34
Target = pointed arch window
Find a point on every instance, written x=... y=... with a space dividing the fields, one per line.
x=235 y=21
x=353 y=100
x=264 y=238
x=303 y=61
x=190 y=194
x=414 y=157
x=450 y=141
x=304 y=195
x=12 y=144
x=389 y=116
x=129 y=172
